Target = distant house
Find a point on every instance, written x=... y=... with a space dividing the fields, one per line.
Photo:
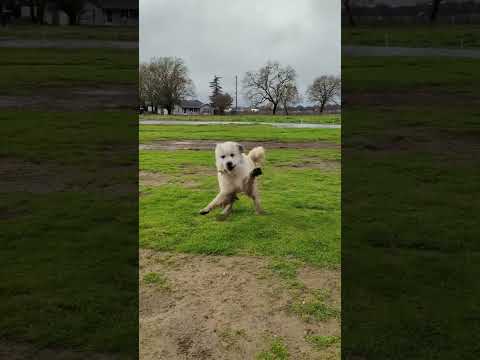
x=206 y=109
x=95 y=12
x=193 y=107
x=110 y=12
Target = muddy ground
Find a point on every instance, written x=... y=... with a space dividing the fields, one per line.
x=220 y=307
x=210 y=144
x=104 y=97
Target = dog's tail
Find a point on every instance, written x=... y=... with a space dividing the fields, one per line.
x=257 y=155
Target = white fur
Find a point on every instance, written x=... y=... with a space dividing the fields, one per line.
x=235 y=178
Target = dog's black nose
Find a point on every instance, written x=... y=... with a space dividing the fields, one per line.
x=229 y=164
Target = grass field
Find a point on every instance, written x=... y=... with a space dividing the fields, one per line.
x=451 y=36
x=26 y=71
x=409 y=247
x=313 y=119
x=303 y=220
x=301 y=229
x=427 y=75
x=149 y=133
x=49 y=299
x=50 y=32
x=57 y=294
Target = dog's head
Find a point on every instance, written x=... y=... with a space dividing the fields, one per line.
x=228 y=156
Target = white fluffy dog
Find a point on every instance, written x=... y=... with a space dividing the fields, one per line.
x=236 y=174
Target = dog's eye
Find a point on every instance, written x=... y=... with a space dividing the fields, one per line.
x=231 y=155
x=223 y=156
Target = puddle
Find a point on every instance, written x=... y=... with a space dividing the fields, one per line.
x=278 y=125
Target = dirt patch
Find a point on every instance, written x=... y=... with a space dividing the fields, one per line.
x=444 y=145
x=19 y=175
x=24 y=176
x=219 y=307
x=74 y=99
x=210 y=145
x=17 y=351
x=413 y=97
x=147 y=178
x=326 y=165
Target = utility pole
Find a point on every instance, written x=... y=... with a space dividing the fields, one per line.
x=236 y=91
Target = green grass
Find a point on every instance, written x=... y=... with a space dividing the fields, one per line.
x=320 y=342
x=277 y=351
x=430 y=75
x=286 y=269
x=313 y=119
x=82 y=138
x=55 y=289
x=414 y=36
x=149 y=133
x=48 y=296
x=302 y=222
x=26 y=71
x=153 y=278
x=314 y=307
x=409 y=239
x=50 y=32
x=165 y=163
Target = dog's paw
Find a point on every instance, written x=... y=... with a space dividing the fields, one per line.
x=204 y=212
x=256 y=172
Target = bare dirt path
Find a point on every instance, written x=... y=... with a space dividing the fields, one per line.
x=219 y=307
x=210 y=144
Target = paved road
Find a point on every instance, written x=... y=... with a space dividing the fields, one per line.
x=67 y=44
x=280 y=125
x=403 y=51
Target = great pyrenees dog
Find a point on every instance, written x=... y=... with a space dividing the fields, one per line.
x=237 y=173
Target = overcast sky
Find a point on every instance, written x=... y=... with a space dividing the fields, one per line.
x=229 y=37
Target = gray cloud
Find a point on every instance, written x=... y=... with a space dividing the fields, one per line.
x=230 y=37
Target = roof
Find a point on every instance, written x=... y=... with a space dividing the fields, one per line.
x=191 y=104
x=118 y=4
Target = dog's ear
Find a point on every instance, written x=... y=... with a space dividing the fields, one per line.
x=240 y=148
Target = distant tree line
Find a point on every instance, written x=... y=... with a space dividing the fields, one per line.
x=432 y=8
x=164 y=83
x=275 y=86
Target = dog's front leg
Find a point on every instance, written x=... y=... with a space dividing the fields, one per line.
x=220 y=199
x=227 y=210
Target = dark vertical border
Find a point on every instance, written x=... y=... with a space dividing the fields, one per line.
x=69 y=191
x=410 y=150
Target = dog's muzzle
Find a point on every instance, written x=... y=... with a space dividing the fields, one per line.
x=230 y=166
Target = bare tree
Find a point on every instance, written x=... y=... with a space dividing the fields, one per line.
x=348 y=11
x=268 y=84
x=324 y=90
x=290 y=97
x=165 y=82
x=146 y=86
x=434 y=11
